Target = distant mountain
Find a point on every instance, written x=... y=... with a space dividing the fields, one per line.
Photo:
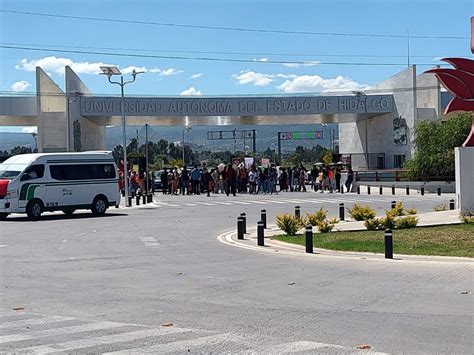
x=197 y=137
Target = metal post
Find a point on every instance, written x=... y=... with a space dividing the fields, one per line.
x=422 y=190
x=388 y=244
x=184 y=163
x=366 y=133
x=368 y=189
x=254 y=142
x=263 y=218
x=137 y=200
x=439 y=190
x=394 y=204
x=243 y=216
x=380 y=190
x=408 y=190
x=124 y=142
x=393 y=189
x=240 y=228
x=147 y=175
x=279 y=145
x=451 y=204
x=358 y=190
x=341 y=211
x=260 y=234
x=297 y=212
x=309 y=238
x=150 y=198
x=342 y=189
x=129 y=201
x=144 y=199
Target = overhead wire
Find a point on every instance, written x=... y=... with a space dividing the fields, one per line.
x=225 y=28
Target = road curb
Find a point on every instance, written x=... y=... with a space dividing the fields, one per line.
x=282 y=248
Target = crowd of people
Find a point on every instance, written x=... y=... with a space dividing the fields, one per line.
x=252 y=180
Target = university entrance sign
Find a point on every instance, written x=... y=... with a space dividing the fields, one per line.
x=237 y=106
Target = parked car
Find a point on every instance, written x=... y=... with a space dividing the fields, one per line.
x=157 y=185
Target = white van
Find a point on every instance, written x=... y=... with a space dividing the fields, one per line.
x=33 y=183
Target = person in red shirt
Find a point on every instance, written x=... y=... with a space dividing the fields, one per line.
x=231 y=178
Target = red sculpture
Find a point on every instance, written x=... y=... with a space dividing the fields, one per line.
x=460 y=83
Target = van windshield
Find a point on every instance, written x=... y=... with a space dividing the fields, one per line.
x=11 y=171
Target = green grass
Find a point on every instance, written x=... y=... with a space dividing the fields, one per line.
x=454 y=240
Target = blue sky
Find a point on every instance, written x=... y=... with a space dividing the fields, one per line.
x=172 y=77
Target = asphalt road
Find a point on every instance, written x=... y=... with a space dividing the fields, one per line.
x=109 y=284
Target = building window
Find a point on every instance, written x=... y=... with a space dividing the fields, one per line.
x=398 y=161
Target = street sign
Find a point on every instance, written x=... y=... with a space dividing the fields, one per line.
x=299 y=135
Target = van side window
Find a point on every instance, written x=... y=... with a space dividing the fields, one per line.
x=33 y=172
x=82 y=172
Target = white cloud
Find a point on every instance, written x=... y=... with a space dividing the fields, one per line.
x=260 y=60
x=251 y=77
x=170 y=72
x=56 y=65
x=191 y=91
x=31 y=129
x=316 y=83
x=131 y=68
x=304 y=64
x=20 y=85
x=197 y=75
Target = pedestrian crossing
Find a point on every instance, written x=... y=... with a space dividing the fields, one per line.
x=326 y=199
x=32 y=333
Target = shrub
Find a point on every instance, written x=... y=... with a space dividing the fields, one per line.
x=325 y=226
x=406 y=222
x=318 y=216
x=440 y=207
x=398 y=210
x=388 y=222
x=411 y=211
x=361 y=213
x=334 y=220
x=288 y=223
x=373 y=224
x=467 y=216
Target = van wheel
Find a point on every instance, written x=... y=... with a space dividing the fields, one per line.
x=68 y=212
x=99 y=206
x=3 y=216
x=34 y=208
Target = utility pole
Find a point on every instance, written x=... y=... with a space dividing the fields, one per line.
x=146 y=160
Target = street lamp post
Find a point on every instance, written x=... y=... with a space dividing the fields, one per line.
x=110 y=71
x=359 y=94
x=187 y=128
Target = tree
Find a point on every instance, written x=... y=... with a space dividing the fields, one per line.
x=20 y=150
x=435 y=143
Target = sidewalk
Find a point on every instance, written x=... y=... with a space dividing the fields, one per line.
x=274 y=246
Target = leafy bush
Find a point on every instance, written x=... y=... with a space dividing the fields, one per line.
x=361 y=213
x=388 y=222
x=288 y=223
x=411 y=211
x=406 y=222
x=398 y=210
x=467 y=216
x=318 y=216
x=334 y=220
x=440 y=207
x=325 y=226
x=373 y=224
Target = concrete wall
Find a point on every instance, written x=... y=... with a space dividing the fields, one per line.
x=464 y=160
x=83 y=134
x=51 y=114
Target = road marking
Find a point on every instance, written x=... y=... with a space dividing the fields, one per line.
x=147 y=239
x=152 y=244
x=180 y=345
x=3 y=246
x=34 y=321
x=274 y=201
x=166 y=204
x=74 y=345
x=206 y=203
x=241 y=203
x=60 y=331
x=223 y=203
x=64 y=241
x=257 y=202
x=80 y=234
x=191 y=204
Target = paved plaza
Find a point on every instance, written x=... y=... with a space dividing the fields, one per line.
x=155 y=279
